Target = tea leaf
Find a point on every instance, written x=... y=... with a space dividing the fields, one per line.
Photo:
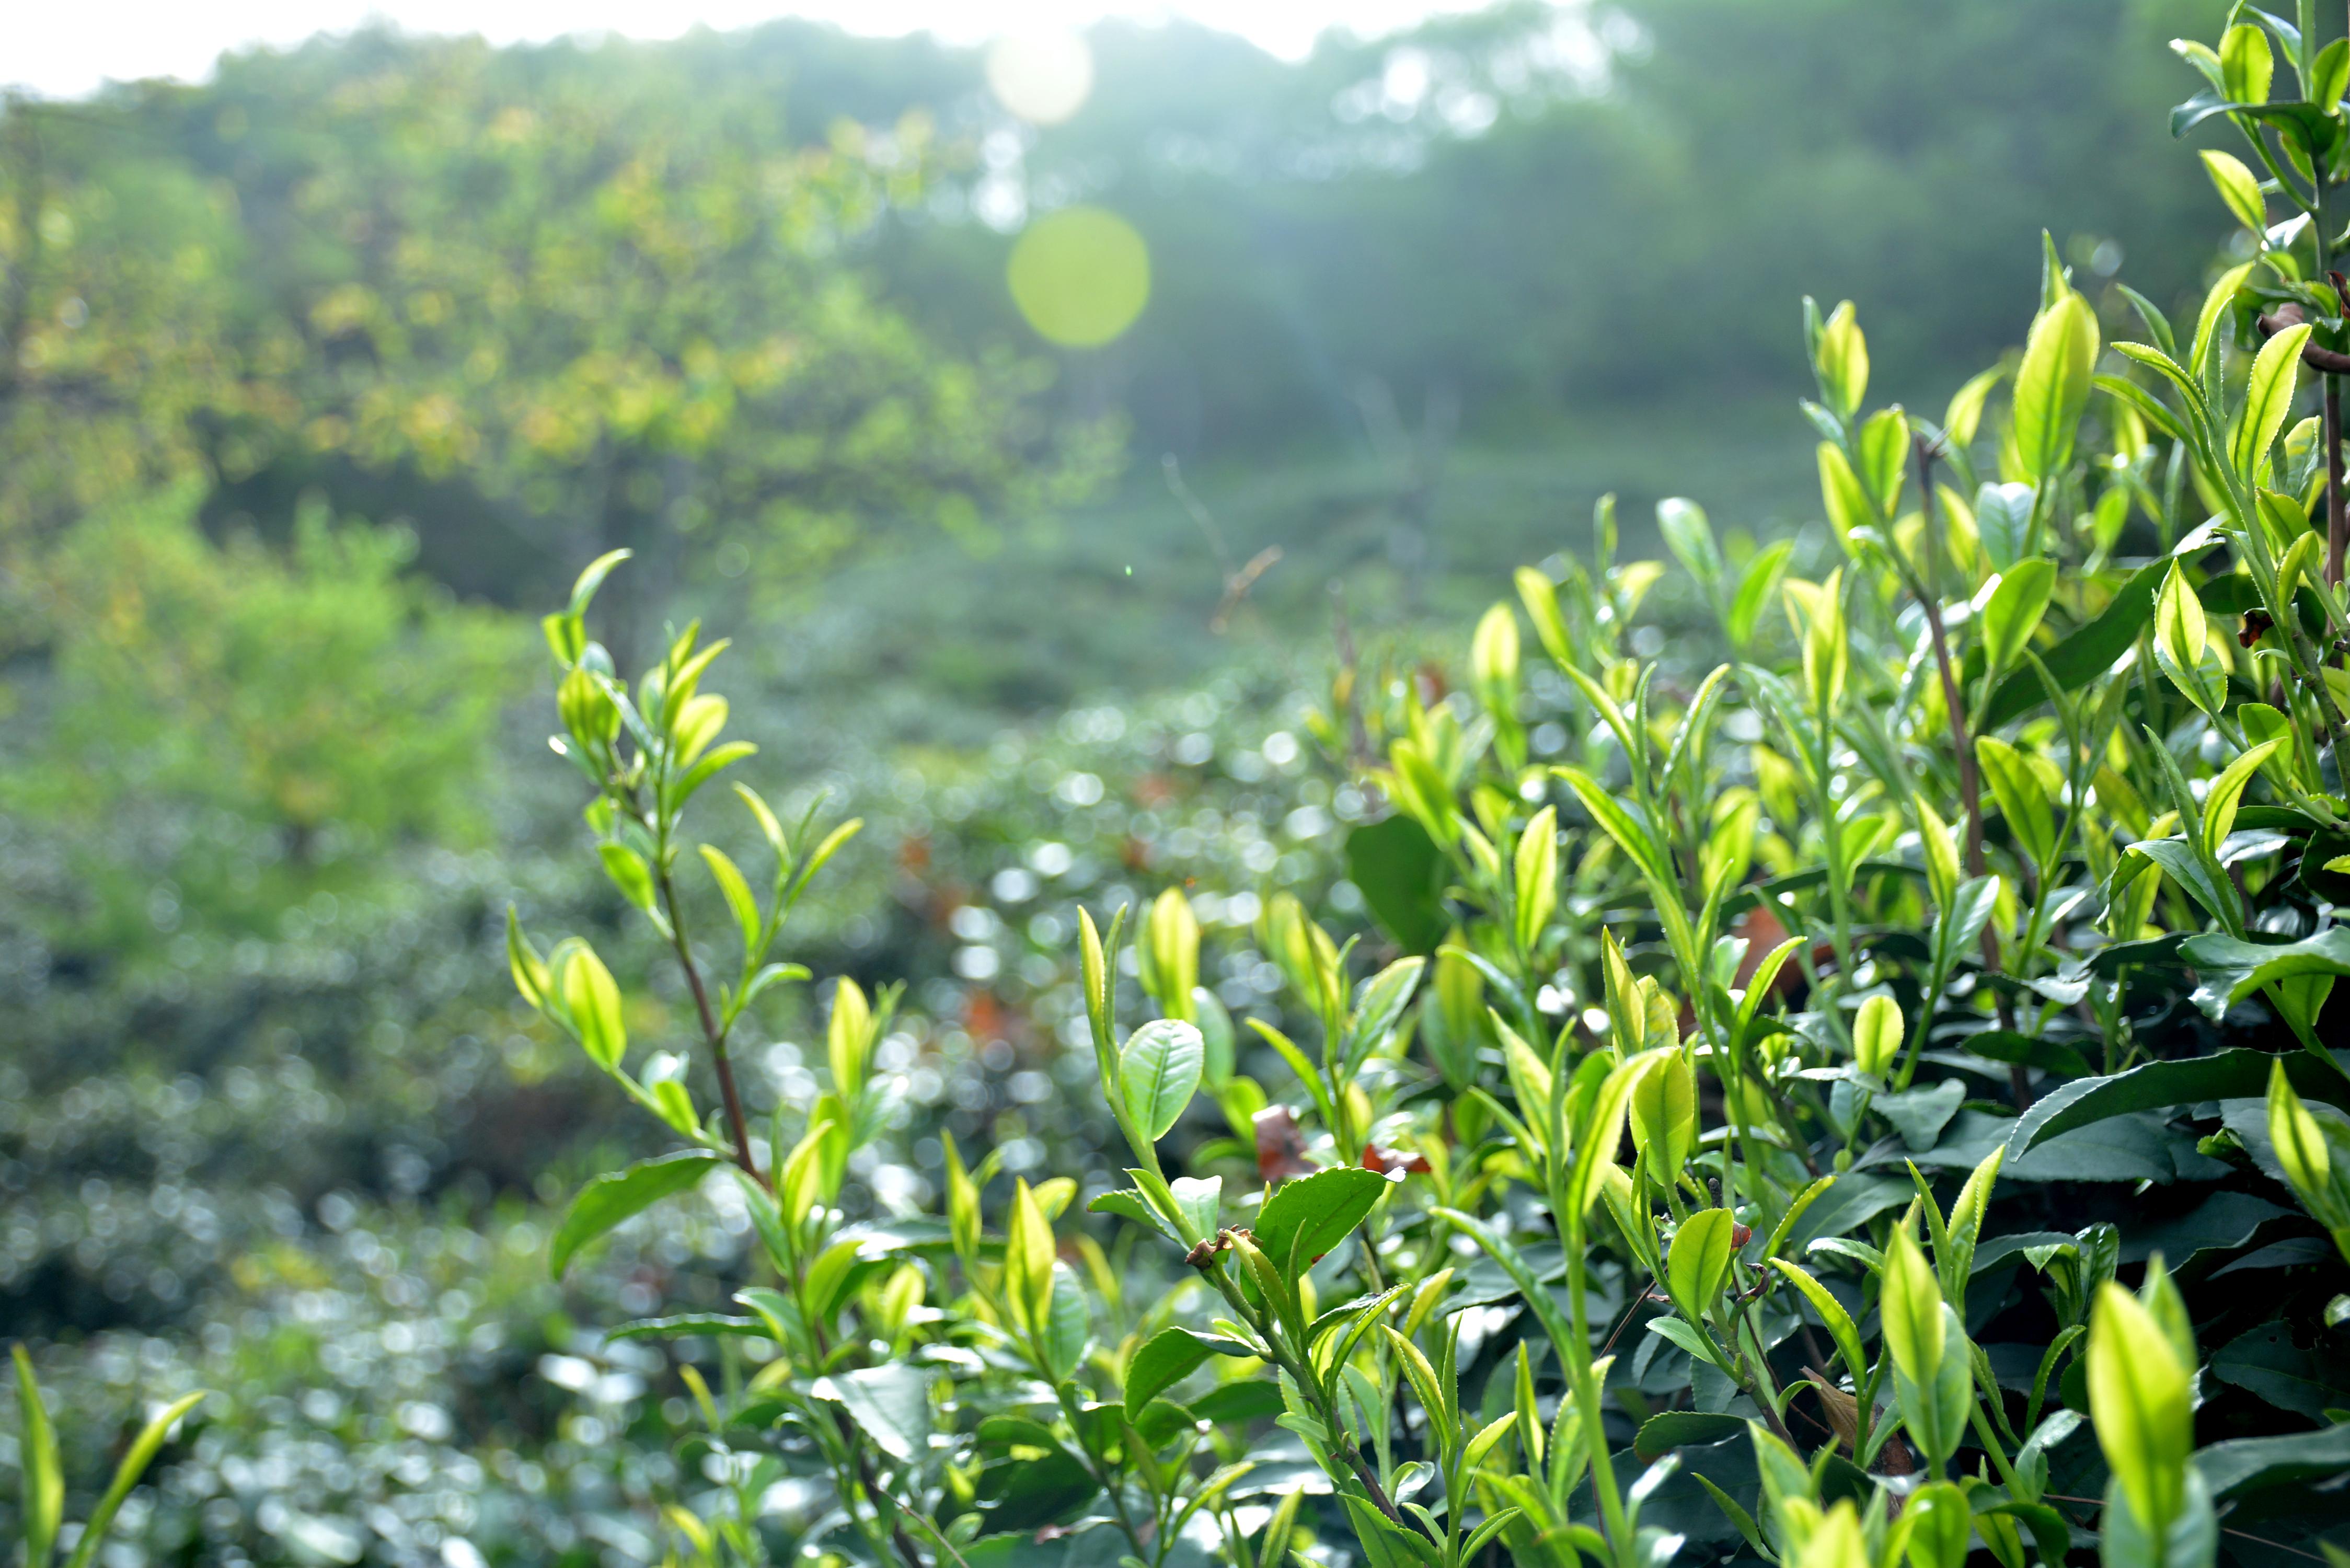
x=619 y=1195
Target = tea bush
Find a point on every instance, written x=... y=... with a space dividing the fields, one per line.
x=1730 y=1138
x=300 y=1180
x=1871 y=1099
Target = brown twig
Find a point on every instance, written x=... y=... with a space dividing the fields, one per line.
x=738 y=1126
x=2313 y=355
x=1237 y=579
x=1969 y=783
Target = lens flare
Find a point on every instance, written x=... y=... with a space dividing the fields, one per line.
x=1042 y=76
x=1080 y=275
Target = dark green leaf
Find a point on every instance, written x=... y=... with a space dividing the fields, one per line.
x=1659 y=1435
x=2220 y=1223
x=1310 y=1215
x=1379 y=1002
x=1852 y=1201
x=618 y=1195
x=683 y=1324
x=1401 y=875
x=2050 y=1055
x=890 y=1404
x=1920 y=1115
x=2226 y=1075
x=1023 y=1494
x=2254 y=1464
x=2249 y=966
x=1129 y=1204
x=1229 y=1402
x=1169 y=1356
x=2086 y=652
x=2265 y=1360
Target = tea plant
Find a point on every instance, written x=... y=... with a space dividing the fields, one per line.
x=1710 y=1154
x=41 y=1509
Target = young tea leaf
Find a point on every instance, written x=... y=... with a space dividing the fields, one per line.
x=1158 y=1072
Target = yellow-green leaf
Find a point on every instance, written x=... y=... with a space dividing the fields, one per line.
x=2268 y=398
x=2329 y=76
x=1841 y=492
x=629 y=872
x=2227 y=789
x=1158 y=1072
x=530 y=976
x=1169 y=953
x=1964 y=415
x=2023 y=798
x=2222 y=294
x=1842 y=360
x=736 y=891
x=2183 y=642
x=1883 y=448
x=2245 y=63
x=1539 y=595
x=848 y=1037
x=2141 y=1403
x=45 y=1487
x=1911 y=1311
x=2301 y=1151
x=1699 y=1262
x=592 y=1000
x=2014 y=612
x=2239 y=188
x=2053 y=384
x=1028 y=1263
x=1537 y=876
x=1664 y=1115
x=1877 y=1033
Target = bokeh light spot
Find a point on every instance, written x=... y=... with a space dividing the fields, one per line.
x=1042 y=76
x=1080 y=275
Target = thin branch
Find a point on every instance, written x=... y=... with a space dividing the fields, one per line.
x=738 y=1126
x=1969 y=783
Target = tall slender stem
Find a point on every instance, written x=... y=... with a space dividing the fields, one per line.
x=2337 y=524
x=1310 y=1386
x=2337 y=520
x=1577 y=1357
x=860 y=1459
x=1969 y=781
x=713 y=1034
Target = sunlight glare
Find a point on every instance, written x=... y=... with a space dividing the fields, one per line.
x=1044 y=76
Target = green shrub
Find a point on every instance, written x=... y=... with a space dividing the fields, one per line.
x=230 y=730
x=1729 y=1115
x=1724 y=1139
x=1796 y=1019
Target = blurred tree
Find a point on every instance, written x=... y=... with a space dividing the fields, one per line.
x=635 y=312
x=228 y=728
x=117 y=295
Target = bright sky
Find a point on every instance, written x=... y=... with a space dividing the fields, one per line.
x=66 y=48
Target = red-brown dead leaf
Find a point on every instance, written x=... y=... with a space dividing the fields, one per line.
x=1388 y=1161
x=1280 y=1146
